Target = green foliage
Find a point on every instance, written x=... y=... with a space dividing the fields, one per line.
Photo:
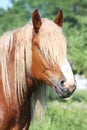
x=75 y=23
x=69 y=115
x=79 y=96
x=63 y=116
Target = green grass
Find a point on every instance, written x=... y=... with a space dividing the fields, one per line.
x=69 y=115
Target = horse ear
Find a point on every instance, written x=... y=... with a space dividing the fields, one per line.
x=36 y=20
x=59 y=18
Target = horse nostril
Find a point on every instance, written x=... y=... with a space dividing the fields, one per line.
x=61 y=82
x=62 y=86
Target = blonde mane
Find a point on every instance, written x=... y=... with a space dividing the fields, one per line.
x=23 y=50
x=23 y=59
x=5 y=45
x=51 y=42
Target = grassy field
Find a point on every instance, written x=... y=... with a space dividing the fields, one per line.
x=66 y=115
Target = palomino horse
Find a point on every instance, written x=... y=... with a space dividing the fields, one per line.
x=30 y=56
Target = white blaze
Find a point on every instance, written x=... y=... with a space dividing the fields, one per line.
x=67 y=72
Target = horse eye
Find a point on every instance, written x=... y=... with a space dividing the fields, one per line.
x=38 y=47
x=36 y=44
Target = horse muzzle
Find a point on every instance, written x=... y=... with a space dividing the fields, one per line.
x=62 y=90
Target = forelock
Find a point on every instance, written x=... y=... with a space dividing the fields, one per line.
x=52 y=42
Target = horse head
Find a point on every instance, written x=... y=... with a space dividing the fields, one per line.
x=49 y=58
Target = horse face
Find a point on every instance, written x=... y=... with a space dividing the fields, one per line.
x=58 y=76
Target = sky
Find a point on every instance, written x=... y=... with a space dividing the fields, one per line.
x=5 y=4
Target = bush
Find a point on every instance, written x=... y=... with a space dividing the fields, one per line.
x=80 y=96
x=63 y=116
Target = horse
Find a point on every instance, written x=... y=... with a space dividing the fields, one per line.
x=32 y=57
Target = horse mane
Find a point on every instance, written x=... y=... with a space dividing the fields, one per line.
x=50 y=37
x=23 y=59
x=23 y=45
x=52 y=42
x=5 y=45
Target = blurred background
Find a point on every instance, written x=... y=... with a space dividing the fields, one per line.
x=61 y=114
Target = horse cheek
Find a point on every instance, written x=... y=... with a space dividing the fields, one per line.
x=36 y=64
